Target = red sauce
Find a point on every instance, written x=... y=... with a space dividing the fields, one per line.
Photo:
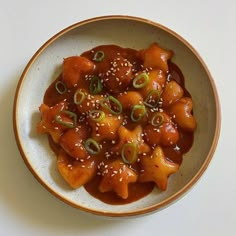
x=174 y=153
x=136 y=191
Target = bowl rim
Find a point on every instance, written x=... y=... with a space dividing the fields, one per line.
x=163 y=203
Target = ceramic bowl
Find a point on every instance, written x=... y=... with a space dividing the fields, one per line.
x=125 y=31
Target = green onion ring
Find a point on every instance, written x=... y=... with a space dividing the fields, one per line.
x=70 y=115
x=95 y=86
x=114 y=100
x=82 y=94
x=98 y=56
x=140 y=116
x=134 y=153
x=157 y=117
x=138 y=78
x=91 y=142
x=60 y=87
x=147 y=103
x=93 y=113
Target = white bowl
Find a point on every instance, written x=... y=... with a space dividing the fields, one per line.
x=125 y=31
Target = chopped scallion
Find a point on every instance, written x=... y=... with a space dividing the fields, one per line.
x=141 y=80
x=157 y=120
x=66 y=118
x=129 y=153
x=112 y=105
x=92 y=146
x=95 y=86
x=138 y=112
x=152 y=98
x=97 y=115
x=60 y=87
x=79 y=97
x=98 y=56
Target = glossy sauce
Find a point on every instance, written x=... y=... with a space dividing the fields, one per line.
x=174 y=153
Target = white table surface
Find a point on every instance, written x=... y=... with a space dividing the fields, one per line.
x=26 y=208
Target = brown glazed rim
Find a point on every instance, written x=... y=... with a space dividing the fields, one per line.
x=165 y=202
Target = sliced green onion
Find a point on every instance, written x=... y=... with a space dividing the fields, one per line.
x=95 y=86
x=129 y=153
x=152 y=98
x=141 y=80
x=157 y=120
x=97 y=115
x=116 y=108
x=92 y=146
x=60 y=87
x=79 y=100
x=99 y=56
x=68 y=115
x=135 y=109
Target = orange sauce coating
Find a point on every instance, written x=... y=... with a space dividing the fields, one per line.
x=116 y=72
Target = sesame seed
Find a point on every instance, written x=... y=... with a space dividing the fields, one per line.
x=70 y=166
x=177 y=148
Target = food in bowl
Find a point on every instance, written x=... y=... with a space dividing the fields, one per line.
x=119 y=121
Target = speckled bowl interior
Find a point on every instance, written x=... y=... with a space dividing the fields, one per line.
x=125 y=31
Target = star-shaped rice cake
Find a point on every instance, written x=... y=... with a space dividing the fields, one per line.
x=156 y=168
x=75 y=172
x=48 y=124
x=131 y=136
x=156 y=57
x=74 y=68
x=116 y=177
x=106 y=128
